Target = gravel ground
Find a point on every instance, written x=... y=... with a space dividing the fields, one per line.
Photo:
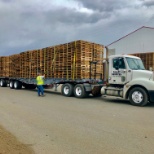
x=10 y=145
x=55 y=124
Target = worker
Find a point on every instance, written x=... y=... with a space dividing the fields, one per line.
x=40 y=83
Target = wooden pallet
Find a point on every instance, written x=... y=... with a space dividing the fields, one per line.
x=147 y=58
x=69 y=60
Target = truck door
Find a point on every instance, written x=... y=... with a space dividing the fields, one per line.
x=118 y=71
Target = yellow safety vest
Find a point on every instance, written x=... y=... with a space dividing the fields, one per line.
x=39 y=80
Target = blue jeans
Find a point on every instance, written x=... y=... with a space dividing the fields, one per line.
x=40 y=90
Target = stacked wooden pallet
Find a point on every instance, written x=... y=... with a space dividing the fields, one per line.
x=4 y=66
x=70 y=61
x=34 y=63
x=147 y=58
x=14 y=65
x=1 y=65
x=25 y=64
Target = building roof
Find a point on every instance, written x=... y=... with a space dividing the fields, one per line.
x=130 y=34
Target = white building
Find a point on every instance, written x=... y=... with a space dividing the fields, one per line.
x=138 y=41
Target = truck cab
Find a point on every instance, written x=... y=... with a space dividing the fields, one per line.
x=127 y=78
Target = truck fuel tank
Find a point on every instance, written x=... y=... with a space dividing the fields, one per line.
x=112 y=91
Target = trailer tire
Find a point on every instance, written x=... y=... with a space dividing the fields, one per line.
x=67 y=89
x=11 y=84
x=3 y=83
x=138 y=96
x=17 y=85
x=79 y=91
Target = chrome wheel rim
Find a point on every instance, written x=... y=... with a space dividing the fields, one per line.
x=66 y=90
x=11 y=84
x=78 y=91
x=137 y=97
x=15 y=85
x=1 y=83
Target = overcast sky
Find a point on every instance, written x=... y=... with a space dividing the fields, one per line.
x=34 y=24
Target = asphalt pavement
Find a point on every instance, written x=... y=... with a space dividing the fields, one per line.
x=55 y=124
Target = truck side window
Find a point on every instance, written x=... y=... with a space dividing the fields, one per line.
x=121 y=63
x=118 y=63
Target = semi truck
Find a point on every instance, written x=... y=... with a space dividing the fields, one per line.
x=122 y=76
x=127 y=78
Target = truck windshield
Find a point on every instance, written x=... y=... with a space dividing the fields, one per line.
x=135 y=64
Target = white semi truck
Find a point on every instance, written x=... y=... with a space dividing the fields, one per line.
x=127 y=78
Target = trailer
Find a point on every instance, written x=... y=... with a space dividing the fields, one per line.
x=77 y=66
x=80 y=88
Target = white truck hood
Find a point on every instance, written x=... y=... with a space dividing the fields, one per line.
x=142 y=74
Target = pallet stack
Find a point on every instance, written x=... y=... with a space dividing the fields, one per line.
x=14 y=65
x=147 y=58
x=4 y=66
x=25 y=64
x=69 y=61
x=72 y=60
x=34 y=63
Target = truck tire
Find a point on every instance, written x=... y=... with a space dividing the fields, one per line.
x=138 y=96
x=3 y=83
x=17 y=85
x=79 y=91
x=11 y=84
x=67 y=89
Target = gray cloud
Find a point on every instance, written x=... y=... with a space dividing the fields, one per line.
x=6 y=1
x=103 y=5
x=148 y=3
x=27 y=25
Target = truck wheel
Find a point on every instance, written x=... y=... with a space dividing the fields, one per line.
x=138 y=97
x=67 y=89
x=79 y=91
x=3 y=83
x=17 y=85
x=11 y=84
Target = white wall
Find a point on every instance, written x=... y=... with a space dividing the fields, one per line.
x=142 y=40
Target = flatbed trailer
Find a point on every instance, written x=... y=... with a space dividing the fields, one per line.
x=73 y=65
x=79 y=88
